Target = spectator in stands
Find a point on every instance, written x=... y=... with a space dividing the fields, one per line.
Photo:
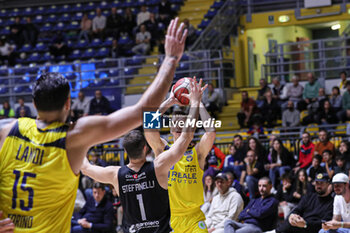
x=322 y=97
x=16 y=33
x=326 y=115
x=342 y=85
x=329 y=162
x=311 y=210
x=191 y=33
x=285 y=195
x=324 y=143
x=6 y=111
x=295 y=91
x=96 y=160
x=99 y=24
x=248 y=109
x=21 y=106
x=210 y=191
x=344 y=151
x=270 y=109
x=230 y=159
x=234 y=182
x=310 y=94
x=301 y=185
x=255 y=145
x=116 y=51
x=335 y=99
x=282 y=161
x=252 y=172
x=216 y=158
x=315 y=168
x=80 y=106
x=129 y=22
x=7 y=53
x=97 y=214
x=277 y=89
x=211 y=100
x=114 y=23
x=99 y=105
x=152 y=27
x=261 y=92
x=30 y=32
x=260 y=214
x=143 y=41
x=306 y=153
x=344 y=115
x=341 y=165
x=59 y=46
x=165 y=12
x=256 y=130
x=239 y=155
x=225 y=206
x=290 y=116
x=85 y=28
x=143 y=16
x=341 y=208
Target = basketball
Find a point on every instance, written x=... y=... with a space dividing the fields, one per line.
x=182 y=86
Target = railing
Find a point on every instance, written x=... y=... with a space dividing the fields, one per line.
x=116 y=73
x=220 y=26
x=325 y=58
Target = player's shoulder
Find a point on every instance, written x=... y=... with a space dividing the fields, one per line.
x=5 y=127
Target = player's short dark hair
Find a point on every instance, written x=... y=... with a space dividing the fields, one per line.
x=133 y=143
x=318 y=157
x=50 y=92
x=98 y=185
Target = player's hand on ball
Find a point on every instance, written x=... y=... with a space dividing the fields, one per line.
x=6 y=225
x=196 y=91
x=175 y=39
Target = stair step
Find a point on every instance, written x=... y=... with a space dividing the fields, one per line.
x=141 y=80
x=135 y=90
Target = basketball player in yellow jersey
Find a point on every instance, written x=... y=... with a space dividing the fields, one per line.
x=40 y=159
x=185 y=185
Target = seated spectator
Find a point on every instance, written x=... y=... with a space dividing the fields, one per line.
x=324 y=143
x=335 y=99
x=239 y=155
x=129 y=23
x=345 y=152
x=234 y=182
x=271 y=109
x=225 y=206
x=260 y=215
x=99 y=24
x=256 y=130
x=341 y=208
x=211 y=100
x=16 y=33
x=99 y=105
x=285 y=195
x=152 y=27
x=142 y=16
x=26 y=109
x=295 y=91
x=344 y=115
x=282 y=161
x=326 y=115
x=215 y=160
x=329 y=162
x=315 y=168
x=252 y=172
x=276 y=90
x=248 y=110
x=255 y=145
x=302 y=186
x=191 y=33
x=85 y=28
x=80 y=106
x=116 y=51
x=210 y=191
x=261 y=92
x=229 y=162
x=114 y=23
x=143 y=41
x=306 y=152
x=290 y=116
x=342 y=85
x=30 y=32
x=341 y=165
x=6 y=111
x=7 y=54
x=310 y=94
x=96 y=215
x=59 y=46
x=96 y=160
x=165 y=12
x=311 y=210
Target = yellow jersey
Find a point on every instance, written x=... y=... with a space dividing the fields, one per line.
x=37 y=186
x=185 y=185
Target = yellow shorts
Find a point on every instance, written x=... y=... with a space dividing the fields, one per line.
x=192 y=223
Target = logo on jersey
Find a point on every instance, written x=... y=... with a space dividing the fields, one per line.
x=189 y=158
x=152 y=120
x=135 y=177
x=202 y=225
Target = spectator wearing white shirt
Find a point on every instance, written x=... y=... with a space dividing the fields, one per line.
x=80 y=106
x=143 y=39
x=143 y=16
x=7 y=53
x=99 y=24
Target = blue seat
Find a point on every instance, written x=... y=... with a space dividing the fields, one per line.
x=64 y=9
x=78 y=16
x=96 y=43
x=40 y=47
x=113 y=73
x=130 y=71
x=135 y=60
x=184 y=66
x=10 y=21
x=19 y=70
x=15 y=12
x=130 y=3
x=52 y=9
x=217 y=4
x=82 y=44
x=108 y=41
x=18 y=88
x=74 y=25
x=199 y=32
x=38 y=19
x=102 y=53
x=40 y=10
x=46 y=28
x=103 y=5
x=141 y=2
x=153 y=2
x=33 y=68
x=59 y=27
x=3 y=13
x=117 y=4
x=161 y=26
x=90 y=6
x=113 y=81
x=76 y=54
x=106 y=13
x=26 y=48
x=5 y=31
x=88 y=54
x=65 y=17
x=71 y=76
x=77 y=7
x=52 y=19
x=175 y=7
x=211 y=13
x=28 y=12
x=124 y=40
x=92 y=14
x=3 y=90
x=35 y=57
x=153 y=9
x=46 y=57
x=205 y=22
x=185 y=57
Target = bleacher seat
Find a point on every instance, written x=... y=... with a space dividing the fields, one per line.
x=46 y=57
x=52 y=9
x=108 y=41
x=40 y=47
x=102 y=53
x=96 y=43
x=65 y=17
x=28 y=12
x=88 y=53
x=130 y=71
x=51 y=19
x=113 y=73
x=59 y=27
x=26 y=48
x=74 y=25
x=77 y=7
x=15 y=12
x=124 y=40
x=40 y=10
x=81 y=44
x=211 y=13
x=92 y=14
x=34 y=57
x=47 y=27
x=3 y=13
x=3 y=90
x=38 y=19
x=90 y=6
x=218 y=3
x=64 y=9
x=103 y=5
x=135 y=60
x=76 y=54
x=5 y=31
x=205 y=22
x=175 y=7
x=77 y=16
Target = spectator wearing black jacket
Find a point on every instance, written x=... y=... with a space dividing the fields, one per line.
x=315 y=168
x=285 y=195
x=30 y=32
x=239 y=155
x=99 y=105
x=312 y=209
x=261 y=92
x=326 y=114
x=270 y=110
x=114 y=23
x=16 y=32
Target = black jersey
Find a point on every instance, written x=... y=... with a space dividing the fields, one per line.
x=145 y=203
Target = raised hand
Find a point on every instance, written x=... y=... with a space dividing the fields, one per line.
x=6 y=225
x=175 y=39
x=196 y=92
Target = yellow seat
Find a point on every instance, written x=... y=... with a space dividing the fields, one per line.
x=303 y=114
x=312 y=129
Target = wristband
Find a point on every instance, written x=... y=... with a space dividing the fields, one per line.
x=342 y=225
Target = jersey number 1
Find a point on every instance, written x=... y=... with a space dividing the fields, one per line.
x=142 y=207
x=24 y=188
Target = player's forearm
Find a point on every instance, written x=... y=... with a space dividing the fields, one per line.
x=100 y=174
x=192 y=116
x=165 y=106
x=205 y=116
x=155 y=94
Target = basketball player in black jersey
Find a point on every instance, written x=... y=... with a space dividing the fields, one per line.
x=142 y=186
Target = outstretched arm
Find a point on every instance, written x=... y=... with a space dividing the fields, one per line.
x=169 y=158
x=93 y=130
